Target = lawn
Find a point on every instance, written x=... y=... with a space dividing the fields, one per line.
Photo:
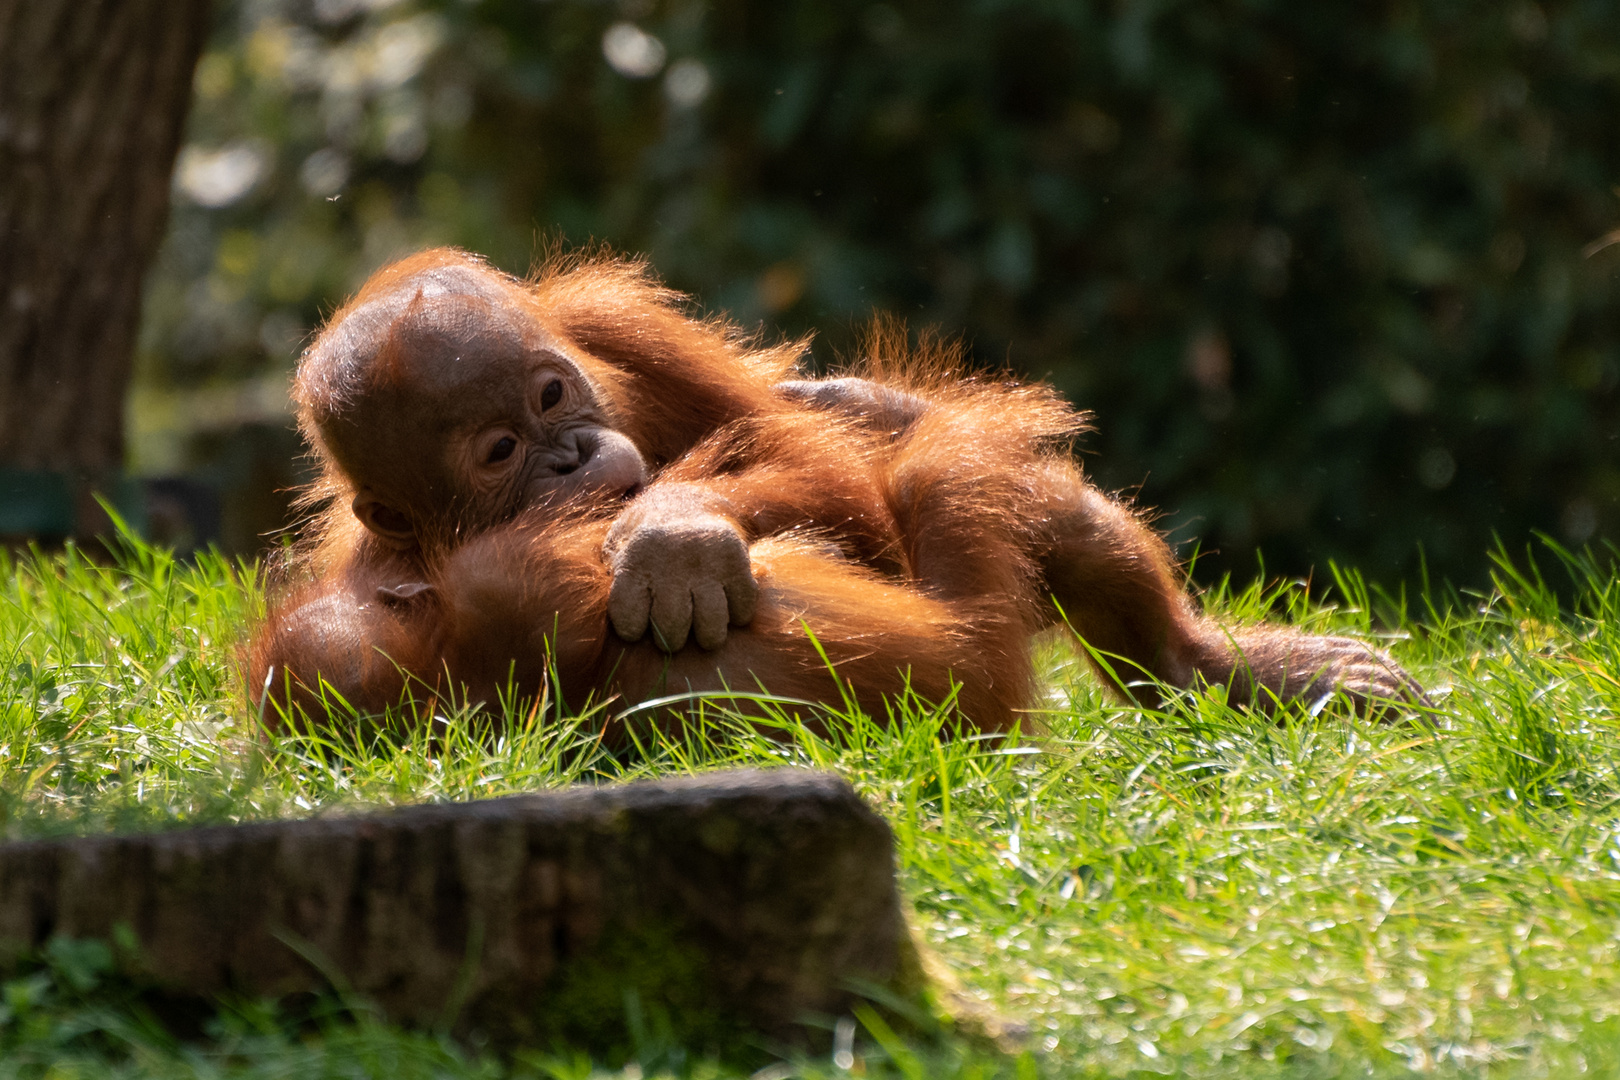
x=1202 y=892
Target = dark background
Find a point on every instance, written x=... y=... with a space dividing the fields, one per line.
x=1323 y=271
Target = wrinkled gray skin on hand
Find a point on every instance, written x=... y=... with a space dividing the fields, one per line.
x=877 y=406
x=679 y=569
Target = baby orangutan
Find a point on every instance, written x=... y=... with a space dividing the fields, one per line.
x=475 y=470
x=448 y=399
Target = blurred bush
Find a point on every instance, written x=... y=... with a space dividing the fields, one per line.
x=1318 y=268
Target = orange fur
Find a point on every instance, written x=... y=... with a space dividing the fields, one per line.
x=826 y=630
x=920 y=547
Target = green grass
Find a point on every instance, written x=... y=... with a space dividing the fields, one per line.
x=1202 y=893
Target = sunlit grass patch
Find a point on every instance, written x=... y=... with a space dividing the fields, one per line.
x=1202 y=891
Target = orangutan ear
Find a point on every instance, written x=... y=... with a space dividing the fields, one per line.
x=404 y=594
x=390 y=525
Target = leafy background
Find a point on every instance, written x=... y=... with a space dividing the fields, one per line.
x=1325 y=272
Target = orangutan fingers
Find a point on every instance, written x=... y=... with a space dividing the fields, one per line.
x=710 y=614
x=630 y=605
x=682 y=576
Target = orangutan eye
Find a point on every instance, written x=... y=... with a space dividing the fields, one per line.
x=551 y=394
x=501 y=450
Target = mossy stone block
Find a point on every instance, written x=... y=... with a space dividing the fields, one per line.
x=740 y=900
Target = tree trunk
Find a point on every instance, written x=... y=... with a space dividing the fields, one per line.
x=93 y=97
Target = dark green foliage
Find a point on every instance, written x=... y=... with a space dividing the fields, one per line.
x=1318 y=268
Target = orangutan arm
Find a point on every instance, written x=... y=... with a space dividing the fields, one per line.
x=679 y=550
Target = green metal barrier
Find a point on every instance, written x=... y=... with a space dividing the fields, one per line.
x=38 y=503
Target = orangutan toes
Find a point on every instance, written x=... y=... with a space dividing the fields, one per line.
x=1288 y=665
x=1373 y=682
